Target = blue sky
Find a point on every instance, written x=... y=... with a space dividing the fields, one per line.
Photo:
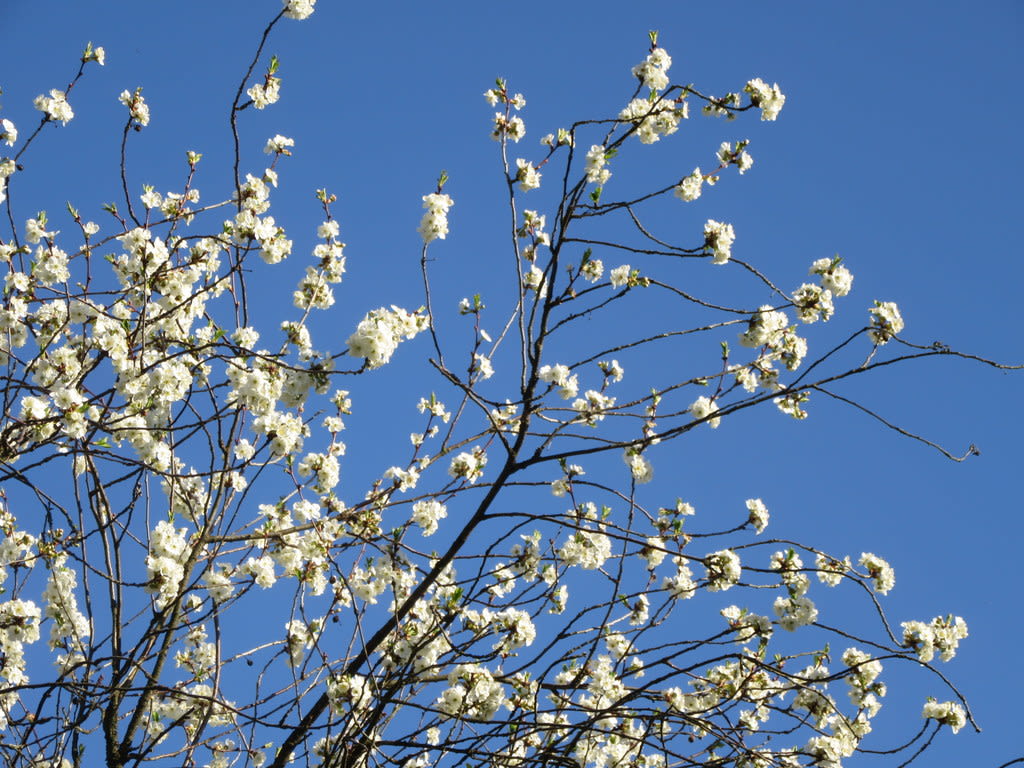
x=896 y=149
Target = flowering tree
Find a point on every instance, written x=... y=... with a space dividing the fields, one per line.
x=505 y=593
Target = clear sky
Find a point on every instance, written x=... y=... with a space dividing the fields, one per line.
x=897 y=148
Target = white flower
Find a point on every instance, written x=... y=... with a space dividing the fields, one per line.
x=689 y=189
x=654 y=119
x=640 y=467
x=791 y=404
x=482 y=366
x=718 y=238
x=834 y=276
x=218 y=583
x=8 y=132
x=427 y=513
x=472 y=694
x=813 y=303
x=830 y=570
x=328 y=229
x=586 y=548
x=527 y=175
x=612 y=370
x=879 y=570
x=266 y=93
x=137 y=107
x=592 y=269
x=55 y=106
x=681 y=586
x=770 y=100
x=379 y=333
x=723 y=570
x=434 y=225
x=592 y=405
x=35 y=230
x=758 y=514
x=97 y=54
x=947 y=712
x=943 y=634
x=639 y=611
x=620 y=276
x=468 y=466
x=279 y=145
x=164 y=564
x=406 y=478
x=702 y=408
x=261 y=569
x=795 y=612
x=886 y=321
x=568 y=385
x=533 y=279
x=513 y=127
x=653 y=71
x=596 y=172
x=298 y=9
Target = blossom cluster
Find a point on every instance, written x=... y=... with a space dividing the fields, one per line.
x=379 y=333
x=434 y=225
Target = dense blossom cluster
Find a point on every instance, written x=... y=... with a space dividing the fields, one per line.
x=434 y=225
x=379 y=333
x=769 y=98
x=718 y=238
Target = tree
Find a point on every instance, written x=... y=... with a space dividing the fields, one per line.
x=513 y=588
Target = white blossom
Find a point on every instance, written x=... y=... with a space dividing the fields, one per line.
x=758 y=514
x=434 y=225
x=55 y=106
x=718 y=238
x=886 y=321
x=769 y=99
x=689 y=188
x=298 y=9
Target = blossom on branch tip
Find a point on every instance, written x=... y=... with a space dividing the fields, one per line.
x=279 y=145
x=138 y=109
x=886 y=321
x=298 y=9
x=769 y=99
x=96 y=54
x=947 y=713
x=434 y=225
x=266 y=93
x=834 y=276
x=653 y=71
